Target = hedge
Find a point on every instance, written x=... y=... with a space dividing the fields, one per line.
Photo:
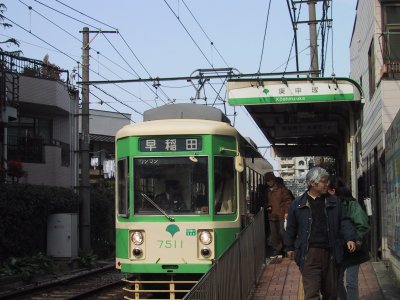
x=24 y=210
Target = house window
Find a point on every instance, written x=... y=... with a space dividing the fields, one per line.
x=27 y=137
x=371 y=69
x=391 y=27
x=33 y=128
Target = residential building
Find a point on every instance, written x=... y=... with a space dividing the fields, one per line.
x=103 y=125
x=375 y=63
x=40 y=126
x=293 y=171
x=39 y=122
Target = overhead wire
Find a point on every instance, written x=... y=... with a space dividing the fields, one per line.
x=66 y=15
x=125 y=90
x=187 y=31
x=115 y=98
x=98 y=21
x=191 y=37
x=104 y=102
x=209 y=39
x=80 y=21
x=80 y=41
x=119 y=53
x=265 y=34
x=44 y=41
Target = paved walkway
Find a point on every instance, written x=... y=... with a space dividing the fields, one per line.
x=281 y=279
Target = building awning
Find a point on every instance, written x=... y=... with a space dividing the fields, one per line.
x=102 y=138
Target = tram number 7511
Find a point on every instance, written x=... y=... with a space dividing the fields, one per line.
x=170 y=244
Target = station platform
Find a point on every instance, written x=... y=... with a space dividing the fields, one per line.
x=281 y=279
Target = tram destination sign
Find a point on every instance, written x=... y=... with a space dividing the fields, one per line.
x=167 y=144
x=290 y=91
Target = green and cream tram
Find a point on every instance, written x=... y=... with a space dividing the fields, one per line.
x=187 y=183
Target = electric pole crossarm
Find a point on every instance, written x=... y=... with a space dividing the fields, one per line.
x=189 y=78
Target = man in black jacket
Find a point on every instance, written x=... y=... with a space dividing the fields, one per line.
x=317 y=231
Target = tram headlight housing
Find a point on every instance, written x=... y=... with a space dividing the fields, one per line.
x=137 y=252
x=137 y=238
x=206 y=252
x=205 y=237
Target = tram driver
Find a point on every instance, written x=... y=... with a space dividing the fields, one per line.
x=171 y=199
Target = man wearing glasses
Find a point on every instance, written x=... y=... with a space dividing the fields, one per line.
x=318 y=230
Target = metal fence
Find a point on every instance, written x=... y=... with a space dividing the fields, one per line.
x=235 y=274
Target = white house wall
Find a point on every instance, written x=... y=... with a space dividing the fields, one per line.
x=391 y=101
x=45 y=92
x=106 y=123
x=51 y=172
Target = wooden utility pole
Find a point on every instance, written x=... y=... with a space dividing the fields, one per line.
x=84 y=189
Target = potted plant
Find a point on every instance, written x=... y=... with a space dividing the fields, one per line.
x=15 y=170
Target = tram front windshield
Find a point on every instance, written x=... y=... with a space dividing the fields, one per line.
x=171 y=185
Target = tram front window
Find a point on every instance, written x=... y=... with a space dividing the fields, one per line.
x=171 y=185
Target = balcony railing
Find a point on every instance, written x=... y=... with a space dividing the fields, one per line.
x=391 y=70
x=31 y=67
x=31 y=150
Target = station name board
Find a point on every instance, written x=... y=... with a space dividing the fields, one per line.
x=292 y=91
x=170 y=144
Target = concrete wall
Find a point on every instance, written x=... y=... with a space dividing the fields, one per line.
x=51 y=172
x=106 y=123
x=380 y=108
x=44 y=92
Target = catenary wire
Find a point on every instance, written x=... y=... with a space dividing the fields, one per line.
x=265 y=34
x=187 y=31
x=201 y=27
x=80 y=21
x=64 y=14
x=104 y=102
x=30 y=8
x=59 y=51
x=86 y=15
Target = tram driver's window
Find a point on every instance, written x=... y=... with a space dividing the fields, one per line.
x=123 y=187
x=224 y=176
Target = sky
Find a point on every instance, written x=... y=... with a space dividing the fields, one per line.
x=174 y=38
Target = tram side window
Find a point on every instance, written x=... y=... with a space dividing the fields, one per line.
x=123 y=188
x=225 y=198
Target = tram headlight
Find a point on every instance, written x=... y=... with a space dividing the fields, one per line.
x=137 y=238
x=205 y=237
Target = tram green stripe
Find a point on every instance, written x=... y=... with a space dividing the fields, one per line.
x=292 y=99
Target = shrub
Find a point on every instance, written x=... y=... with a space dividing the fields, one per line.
x=23 y=213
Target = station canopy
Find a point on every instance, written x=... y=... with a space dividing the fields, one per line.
x=302 y=116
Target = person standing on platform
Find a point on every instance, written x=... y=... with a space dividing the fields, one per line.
x=280 y=181
x=351 y=261
x=317 y=231
x=277 y=206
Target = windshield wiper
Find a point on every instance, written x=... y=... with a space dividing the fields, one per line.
x=158 y=208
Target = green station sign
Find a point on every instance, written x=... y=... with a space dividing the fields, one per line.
x=291 y=91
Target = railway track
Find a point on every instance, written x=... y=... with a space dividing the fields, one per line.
x=105 y=283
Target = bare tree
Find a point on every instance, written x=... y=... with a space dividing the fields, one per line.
x=10 y=41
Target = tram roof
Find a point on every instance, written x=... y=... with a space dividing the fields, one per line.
x=176 y=127
x=304 y=124
x=188 y=118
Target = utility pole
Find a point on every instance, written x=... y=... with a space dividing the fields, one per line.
x=313 y=36
x=84 y=187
